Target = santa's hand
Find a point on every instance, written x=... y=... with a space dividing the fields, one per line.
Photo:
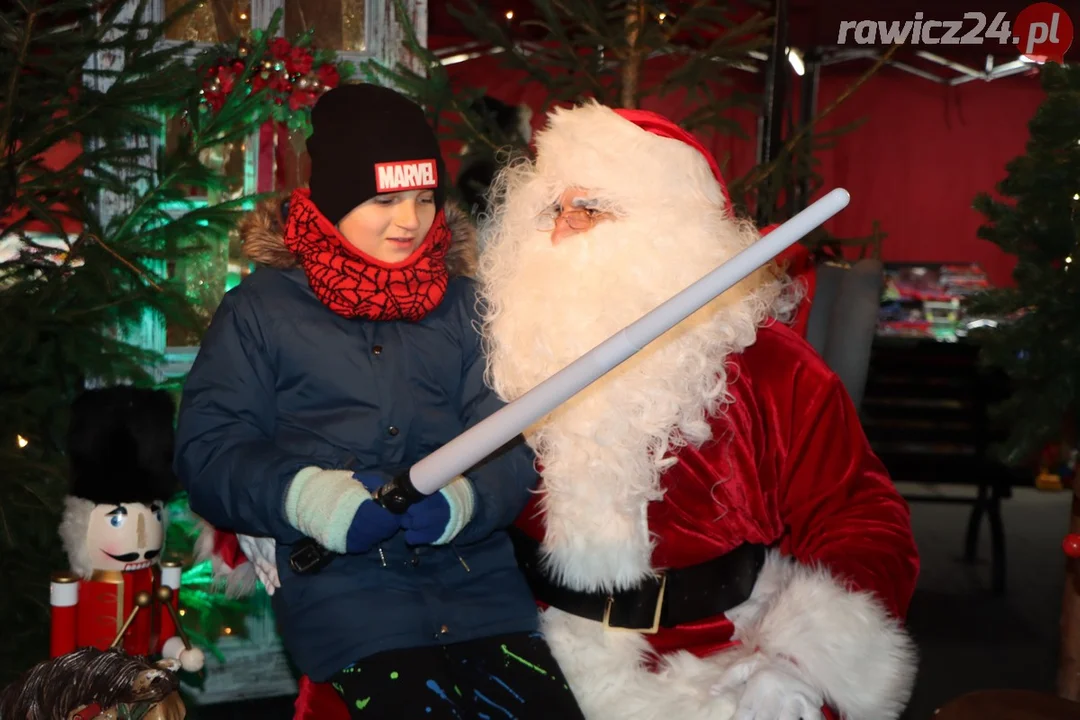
x=261 y=552
x=771 y=689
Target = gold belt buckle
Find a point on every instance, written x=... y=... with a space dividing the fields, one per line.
x=654 y=628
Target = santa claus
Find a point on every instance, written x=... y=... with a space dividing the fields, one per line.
x=713 y=536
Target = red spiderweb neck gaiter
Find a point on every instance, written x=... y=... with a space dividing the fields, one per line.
x=353 y=284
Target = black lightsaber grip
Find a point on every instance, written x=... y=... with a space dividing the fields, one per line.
x=309 y=557
x=398 y=495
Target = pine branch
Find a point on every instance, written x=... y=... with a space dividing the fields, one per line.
x=71 y=301
x=12 y=99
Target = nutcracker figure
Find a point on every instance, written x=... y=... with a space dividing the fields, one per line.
x=118 y=593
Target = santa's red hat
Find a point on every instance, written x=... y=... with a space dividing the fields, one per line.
x=630 y=155
x=657 y=124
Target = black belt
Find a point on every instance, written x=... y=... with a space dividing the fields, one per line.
x=675 y=597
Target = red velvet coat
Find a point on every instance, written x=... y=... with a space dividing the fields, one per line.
x=788 y=465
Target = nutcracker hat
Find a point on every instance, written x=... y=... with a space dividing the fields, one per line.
x=633 y=155
x=120 y=446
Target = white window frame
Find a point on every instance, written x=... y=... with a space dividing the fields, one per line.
x=384 y=42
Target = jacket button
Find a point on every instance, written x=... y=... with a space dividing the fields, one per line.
x=392 y=430
x=377 y=350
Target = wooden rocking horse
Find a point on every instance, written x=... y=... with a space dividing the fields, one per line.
x=97 y=684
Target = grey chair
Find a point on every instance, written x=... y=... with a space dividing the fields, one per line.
x=843 y=320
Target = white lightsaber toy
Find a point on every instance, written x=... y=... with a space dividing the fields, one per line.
x=466 y=450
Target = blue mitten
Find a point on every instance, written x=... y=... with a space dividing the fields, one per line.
x=371 y=525
x=438 y=518
x=336 y=508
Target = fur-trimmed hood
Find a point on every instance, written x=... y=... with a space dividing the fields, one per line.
x=262 y=238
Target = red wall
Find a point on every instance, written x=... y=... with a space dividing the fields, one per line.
x=59 y=156
x=923 y=154
x=915 y=165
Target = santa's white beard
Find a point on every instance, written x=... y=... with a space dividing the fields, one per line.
x=603 y=451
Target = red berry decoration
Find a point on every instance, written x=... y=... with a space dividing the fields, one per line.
x=1071 y=545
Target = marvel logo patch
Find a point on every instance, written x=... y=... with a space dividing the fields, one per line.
x=410 y=175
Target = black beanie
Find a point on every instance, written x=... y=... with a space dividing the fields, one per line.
x=366 y=140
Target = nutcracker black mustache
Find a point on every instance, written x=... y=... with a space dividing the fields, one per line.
x=133 y=556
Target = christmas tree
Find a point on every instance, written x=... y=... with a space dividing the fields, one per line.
x=86 y=248
x=1036 y=220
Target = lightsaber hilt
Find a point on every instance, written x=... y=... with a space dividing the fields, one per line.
x=309 y=557
x=399 y=494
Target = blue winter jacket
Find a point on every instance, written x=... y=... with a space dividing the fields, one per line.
x=281 y=383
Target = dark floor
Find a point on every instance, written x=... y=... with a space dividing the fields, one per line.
x=969 y=639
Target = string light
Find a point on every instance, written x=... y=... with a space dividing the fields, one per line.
x=662 y=17
x=227 y=631
x=21 y=441
x=509 y=14
x=243 y=16
x=183 y=612
x=795 y=58
x=1076 y=196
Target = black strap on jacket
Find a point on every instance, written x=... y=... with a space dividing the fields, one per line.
x=675 y=597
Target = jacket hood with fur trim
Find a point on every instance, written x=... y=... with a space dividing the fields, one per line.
x=262 y=238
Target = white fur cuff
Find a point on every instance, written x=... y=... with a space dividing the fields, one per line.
x=845 y=642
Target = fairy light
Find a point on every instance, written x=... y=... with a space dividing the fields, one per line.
x=509 y=14
x=21 y=441
x=662 y=17
x=183 y=612
x=227 y=631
